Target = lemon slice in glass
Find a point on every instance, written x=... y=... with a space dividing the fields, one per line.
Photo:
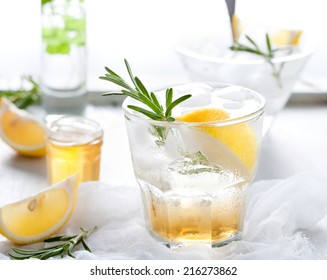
x=40 y=216
x=21 y=130
x=238 y=138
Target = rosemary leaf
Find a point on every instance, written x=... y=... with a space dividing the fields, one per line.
x=60 y=238
x=85 y=246
x=151 y=104
x=111 y=72
x=130 y=94
x=142 y=87
x=130 y=73
x=143 y=111
x=51 y=253
x=155 y=101
x=116 y=81
x=18 y=258
x=28 y=252
x=269 y=46
x=175 y=103
x=36 y=251
x=23 y=97
x=65 y=246
x=169 y=97
x=69 y=252
x=112 y=93
x=252 y=42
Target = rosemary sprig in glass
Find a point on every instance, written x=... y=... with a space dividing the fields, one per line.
x=65 y=247
x=268 y=55
x=22 y=97
x=138 y=91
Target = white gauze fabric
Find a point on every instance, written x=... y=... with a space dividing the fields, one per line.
x=286 y=219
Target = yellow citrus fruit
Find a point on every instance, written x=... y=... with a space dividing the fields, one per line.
x=21 y=131
x=278 y=36
x=40 y=216
x=283 y=37
x=237 y=28
x=239 y=138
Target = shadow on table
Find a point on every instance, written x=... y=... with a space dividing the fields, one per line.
x=34 y=166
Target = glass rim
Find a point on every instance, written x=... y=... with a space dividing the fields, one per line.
x=97 y=133
x=230 y=121
x=186 y=52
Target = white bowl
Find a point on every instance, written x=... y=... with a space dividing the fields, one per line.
x=204 y=61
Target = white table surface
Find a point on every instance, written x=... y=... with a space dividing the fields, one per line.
x=295 y=143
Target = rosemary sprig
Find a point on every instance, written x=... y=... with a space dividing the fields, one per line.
x=268 y=55
x=22 y=97
x=65 y=247
x=138 y=91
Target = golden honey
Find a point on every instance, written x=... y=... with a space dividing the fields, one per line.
x=74 y=146
x=195 y=218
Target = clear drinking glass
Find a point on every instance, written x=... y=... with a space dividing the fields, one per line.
x=194 y=175
x=73 y=145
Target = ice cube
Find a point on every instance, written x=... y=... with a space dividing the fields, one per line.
x=195 y=163
x=183 y=141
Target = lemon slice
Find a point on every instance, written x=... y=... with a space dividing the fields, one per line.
x=278 y=36
x=284 y=37
x=40 y=216
x=238 y=28
x=21 y=130
x=239 y=138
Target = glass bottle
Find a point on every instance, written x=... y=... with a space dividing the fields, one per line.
x=63 y=68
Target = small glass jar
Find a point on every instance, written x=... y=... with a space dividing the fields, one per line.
x=73 y=145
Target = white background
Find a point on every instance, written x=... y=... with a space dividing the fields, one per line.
x=254 y=270
x=146 y=32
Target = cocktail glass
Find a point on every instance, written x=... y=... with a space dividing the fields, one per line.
x=194 y=175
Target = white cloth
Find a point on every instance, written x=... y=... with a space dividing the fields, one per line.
x=286 y=219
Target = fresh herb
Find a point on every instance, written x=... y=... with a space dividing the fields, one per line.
x=65 y=247
x=138 y=91
x=23 y=97
x=268 y=55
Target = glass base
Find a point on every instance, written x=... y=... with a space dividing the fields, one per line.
x=70 y=102
x=214 y=244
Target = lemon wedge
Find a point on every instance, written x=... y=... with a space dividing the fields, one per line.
x=239 y=138
x=40 y=216
x=284 y=37
x=238 y=28
x=21 y=130
x=278 y=36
